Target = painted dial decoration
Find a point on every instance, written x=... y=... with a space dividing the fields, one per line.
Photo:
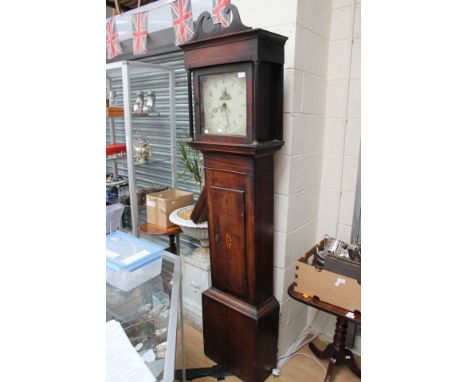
x=225 y=104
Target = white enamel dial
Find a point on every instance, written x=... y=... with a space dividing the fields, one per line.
x=225 y=104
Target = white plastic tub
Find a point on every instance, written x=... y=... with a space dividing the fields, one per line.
x=130 y=261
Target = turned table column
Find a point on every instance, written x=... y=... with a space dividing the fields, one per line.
x=336 y=351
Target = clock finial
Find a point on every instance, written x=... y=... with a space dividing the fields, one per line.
x=205 y=28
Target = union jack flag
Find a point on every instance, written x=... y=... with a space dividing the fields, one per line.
x=182 y=20
x=218 y=16
x=140 y=32
x=112 y=39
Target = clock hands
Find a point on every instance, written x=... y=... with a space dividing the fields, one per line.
x=225 y=96
x=225 y=112
x=223 y=108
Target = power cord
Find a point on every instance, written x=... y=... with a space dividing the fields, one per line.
x=277 y=370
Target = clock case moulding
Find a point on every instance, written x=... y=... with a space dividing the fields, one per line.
x=240 y=312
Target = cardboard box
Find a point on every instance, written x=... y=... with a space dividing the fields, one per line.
x=330 y=287
x=159 y=205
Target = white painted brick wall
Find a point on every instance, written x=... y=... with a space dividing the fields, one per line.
x=350 y=171
x=342 y=134
x=353 y=137
x=303 y=207
x=315 y=63
x=313 y=99
x=357 y=22
x=354 y=103
x=299 y=242
x=338 y=60
x=293 y=81
x=331 y=175
x=334 y=136
x=341 y=3
x=315 y=15
x=341 y=24
x=307 y=133
x=356 y=59
x=280 y=212
x=299 y=163
x=278 y=12
x=279 y=248
x=282 y=165
x=336 y=98
x=347 y=207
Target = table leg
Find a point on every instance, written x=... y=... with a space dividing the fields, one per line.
x=337 y=351
x=330 y=370
x=178 y=244
x=351 y=363
x=325 y=353
x=172 y=244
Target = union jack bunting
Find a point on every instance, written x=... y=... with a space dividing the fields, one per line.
x=182 y=20
x=218 y=16
x=140 y=32
x=112 y=39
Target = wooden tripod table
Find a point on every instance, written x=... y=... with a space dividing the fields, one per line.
x=172 y=232
x=336 y=351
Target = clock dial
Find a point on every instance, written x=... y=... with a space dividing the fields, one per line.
x=225 y=104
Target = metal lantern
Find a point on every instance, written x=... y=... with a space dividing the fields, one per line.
x=150 y=102
x=142 y=149
x=138 y=106
x=111 y=97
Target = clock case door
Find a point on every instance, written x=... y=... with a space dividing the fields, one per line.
x=198 y=76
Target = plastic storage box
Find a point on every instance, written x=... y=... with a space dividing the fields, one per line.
x=130 y=261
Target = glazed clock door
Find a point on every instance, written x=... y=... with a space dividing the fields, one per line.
x=223 y=107
x=229 y=262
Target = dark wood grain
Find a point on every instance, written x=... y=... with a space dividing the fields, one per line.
x=229 y=239
x=153 y=229
x=316 y=303
x=200 y=211
x=261 y=55
x=251 y=336
x=240 y=313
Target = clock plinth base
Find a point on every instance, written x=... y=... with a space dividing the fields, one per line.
x=239 y=336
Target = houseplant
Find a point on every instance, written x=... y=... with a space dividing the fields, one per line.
x=193 y=171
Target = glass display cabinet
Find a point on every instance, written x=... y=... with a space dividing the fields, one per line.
x=149 y=315
x=140 y=105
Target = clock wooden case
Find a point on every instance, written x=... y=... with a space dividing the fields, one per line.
x=238 y=65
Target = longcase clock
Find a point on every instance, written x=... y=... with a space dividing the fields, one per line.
x=237 y=75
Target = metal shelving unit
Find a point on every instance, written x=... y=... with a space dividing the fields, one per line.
x=124 y=71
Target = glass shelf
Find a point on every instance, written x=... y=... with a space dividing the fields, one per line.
x=135 y=163
x=118 y=112
x=152 y=161
x=117 y=183
x=116 y=156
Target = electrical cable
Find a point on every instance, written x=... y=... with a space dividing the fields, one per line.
x=277 y=371
x=299 y=346
x=312 y=357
